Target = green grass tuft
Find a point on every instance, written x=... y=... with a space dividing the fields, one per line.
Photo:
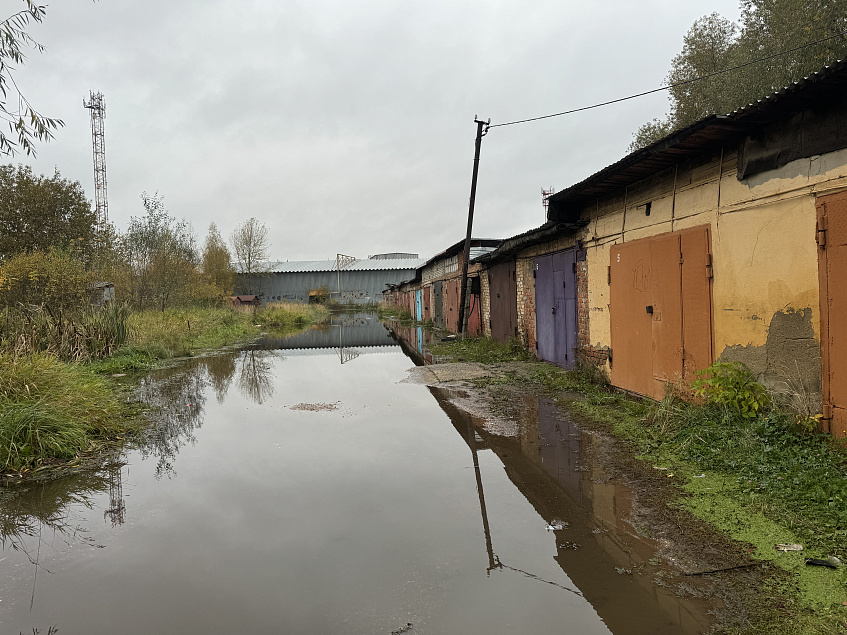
x=50 y=409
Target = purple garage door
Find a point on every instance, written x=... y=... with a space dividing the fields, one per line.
x=555 y=307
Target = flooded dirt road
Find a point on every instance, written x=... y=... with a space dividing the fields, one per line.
x=310 y=489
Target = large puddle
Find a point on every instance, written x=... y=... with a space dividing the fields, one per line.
x=301 y=487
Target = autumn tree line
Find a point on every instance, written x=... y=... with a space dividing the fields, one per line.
x=53 y=253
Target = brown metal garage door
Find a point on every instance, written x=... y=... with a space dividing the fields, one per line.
x=502 y=285
x=832 y=270
x=660 y=304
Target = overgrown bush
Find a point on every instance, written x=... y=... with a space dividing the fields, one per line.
x=733 y=385
x=54 y=277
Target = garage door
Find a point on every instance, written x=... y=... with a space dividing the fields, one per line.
x=661 y=314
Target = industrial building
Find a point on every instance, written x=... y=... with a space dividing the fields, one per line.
x=343 y=279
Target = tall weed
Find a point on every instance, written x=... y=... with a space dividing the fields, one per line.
x=83 y=335
x=51 y=409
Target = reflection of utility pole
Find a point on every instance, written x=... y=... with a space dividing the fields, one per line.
x=493 y=562
x=480 y=133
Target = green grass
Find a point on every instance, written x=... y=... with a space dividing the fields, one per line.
x=386 y=312
x=285 y=315
x=182 y=332
x=52 y=410
x=761 y=480
x=484 y=350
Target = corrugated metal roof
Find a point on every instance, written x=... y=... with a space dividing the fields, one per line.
x=481 y=243
x=305 y=266
x=476 y=252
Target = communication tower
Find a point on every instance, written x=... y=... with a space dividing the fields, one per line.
x=545 y=198
x=96 y=104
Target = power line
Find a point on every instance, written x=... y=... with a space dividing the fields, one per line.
x=669 y=86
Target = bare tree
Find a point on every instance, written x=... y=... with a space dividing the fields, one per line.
x=250 y=244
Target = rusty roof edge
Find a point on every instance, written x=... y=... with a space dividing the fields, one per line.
x=672 y=140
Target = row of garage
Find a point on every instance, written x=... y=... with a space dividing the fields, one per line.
x=725 y=241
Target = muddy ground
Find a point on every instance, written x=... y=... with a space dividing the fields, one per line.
x=691 y=557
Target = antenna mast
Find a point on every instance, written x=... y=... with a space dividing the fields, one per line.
x=97 y=105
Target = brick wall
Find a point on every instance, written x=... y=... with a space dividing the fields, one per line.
x=585 y=352
x=526 y=302
x=485 y=302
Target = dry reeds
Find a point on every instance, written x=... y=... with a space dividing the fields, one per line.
x=79 y=336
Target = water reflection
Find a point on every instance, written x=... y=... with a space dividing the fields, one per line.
x=413 y=340
x=116 y=512
x=27 y=510
x=587 y=512
x=221 y=369
x=348 y=335
x=374 y=524
x=256 y=377
x=31 y=515
x=176 y=398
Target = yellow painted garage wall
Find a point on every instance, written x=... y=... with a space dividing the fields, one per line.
x=765 y=287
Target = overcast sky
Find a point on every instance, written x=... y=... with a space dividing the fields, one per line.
x=347 y=126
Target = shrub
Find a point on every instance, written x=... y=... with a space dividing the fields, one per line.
x=734 y=386
x=54 y=277
x=52 y=410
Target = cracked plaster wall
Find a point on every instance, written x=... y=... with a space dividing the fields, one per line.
x=765 y=287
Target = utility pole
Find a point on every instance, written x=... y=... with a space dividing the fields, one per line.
x=480 y=133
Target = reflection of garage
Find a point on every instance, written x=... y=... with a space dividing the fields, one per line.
x=832 y=267
x=661 y=310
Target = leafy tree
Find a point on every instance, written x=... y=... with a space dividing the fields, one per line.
x=54 y=277
x=159 y=253
x=24 y=121
x=37 y=212
x=772 y=26
x=768 y=28
x=217 y=262
x=217 y=273
x=251 y=246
